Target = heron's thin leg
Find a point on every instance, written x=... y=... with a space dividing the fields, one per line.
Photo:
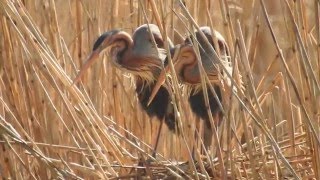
x=157 y=140
x=196 y=140
x=207 y=136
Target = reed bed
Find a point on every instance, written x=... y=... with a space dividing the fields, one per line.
x=51 y=129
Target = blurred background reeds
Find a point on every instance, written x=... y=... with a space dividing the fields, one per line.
x=51 y=129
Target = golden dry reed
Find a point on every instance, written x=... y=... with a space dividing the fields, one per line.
x=52 y=129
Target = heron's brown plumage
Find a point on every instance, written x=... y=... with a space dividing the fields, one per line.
x=141 y=58
x=189 y=72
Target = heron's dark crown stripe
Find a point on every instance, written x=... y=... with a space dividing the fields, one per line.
x=103 y=36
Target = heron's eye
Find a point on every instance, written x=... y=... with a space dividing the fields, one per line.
x=159 y=42
x=150 y=41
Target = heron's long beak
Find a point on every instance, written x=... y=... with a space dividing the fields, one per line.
x=91 y=59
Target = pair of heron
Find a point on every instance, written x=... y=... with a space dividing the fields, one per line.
x=144 y=56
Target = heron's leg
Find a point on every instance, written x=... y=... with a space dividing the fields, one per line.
x=207 y=136
x=157 y=139
x=196 y=136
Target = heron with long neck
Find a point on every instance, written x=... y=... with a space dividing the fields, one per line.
x=144 y=60
x=187 y=68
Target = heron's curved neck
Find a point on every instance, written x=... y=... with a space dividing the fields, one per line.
x=187 y=66
x=191 y=73
x=124 y=47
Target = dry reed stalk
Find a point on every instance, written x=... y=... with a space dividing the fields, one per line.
x=50 y=129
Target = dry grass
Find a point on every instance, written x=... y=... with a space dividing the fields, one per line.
x=50 y=129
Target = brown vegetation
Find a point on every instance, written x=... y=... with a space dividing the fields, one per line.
x=50 y=128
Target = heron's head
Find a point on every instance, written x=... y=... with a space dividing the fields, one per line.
x=118 y=41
